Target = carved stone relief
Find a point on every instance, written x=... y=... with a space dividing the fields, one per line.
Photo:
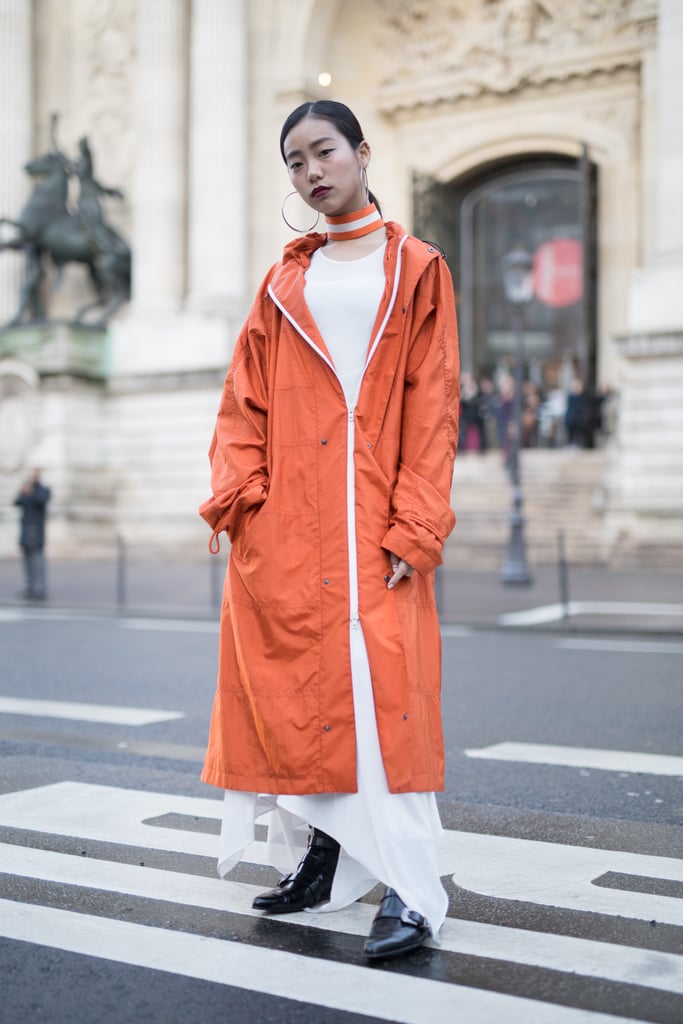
x=84 y=67
x=498 y=46
x=618 y=115
x=107 y=41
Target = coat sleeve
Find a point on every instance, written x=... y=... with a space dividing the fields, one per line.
x=37 y=497
x=41 y=495
x=421 y=514
x=238 y=451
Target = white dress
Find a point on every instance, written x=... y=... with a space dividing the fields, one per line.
x=386 y=837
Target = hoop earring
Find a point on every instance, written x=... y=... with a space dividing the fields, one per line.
x=364 y=184
x=300 y=231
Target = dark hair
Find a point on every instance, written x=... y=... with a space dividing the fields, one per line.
x=337 y=114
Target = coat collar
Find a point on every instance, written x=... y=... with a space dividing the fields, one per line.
x=296 y=258
x=288 y=281
x=300 y=250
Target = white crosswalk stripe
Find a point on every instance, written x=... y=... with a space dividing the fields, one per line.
x=555 y=952
x=582 y=757
x=550 y=875
x=391 y=997
x=554 y=612
x=79 y=712
x=499 y=866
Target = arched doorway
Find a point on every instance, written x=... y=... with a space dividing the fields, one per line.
x=545 y=205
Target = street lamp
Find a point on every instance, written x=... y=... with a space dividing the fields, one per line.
x=519 y=289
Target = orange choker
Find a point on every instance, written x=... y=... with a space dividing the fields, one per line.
x=354 y=225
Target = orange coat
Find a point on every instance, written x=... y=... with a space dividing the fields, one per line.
x=313 y=496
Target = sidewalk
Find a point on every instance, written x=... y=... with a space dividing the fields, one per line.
x=644 y=601
x=603 y=600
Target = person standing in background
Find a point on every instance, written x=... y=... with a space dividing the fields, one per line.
x=33 y=499
x=577 y=416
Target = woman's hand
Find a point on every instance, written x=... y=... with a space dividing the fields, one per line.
x=400 y=570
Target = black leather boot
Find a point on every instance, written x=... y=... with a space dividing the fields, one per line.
x=310 y=884
x=395 y=930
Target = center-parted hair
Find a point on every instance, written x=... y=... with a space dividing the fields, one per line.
x=338 y=114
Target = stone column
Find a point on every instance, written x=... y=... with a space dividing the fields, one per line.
x=218 y=202
x=645 y=480
x=657 y=296
x=160 y=179
x=16 y=131
x=669 y=245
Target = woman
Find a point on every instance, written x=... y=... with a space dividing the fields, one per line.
x=331 y=466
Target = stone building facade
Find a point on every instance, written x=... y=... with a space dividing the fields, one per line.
x=469 y=105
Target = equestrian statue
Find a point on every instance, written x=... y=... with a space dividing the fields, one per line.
x=49 y=230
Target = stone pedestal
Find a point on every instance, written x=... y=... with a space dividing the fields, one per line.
x=58 y=349
x=160 y=428
x=645 y=476
x=124 y=455
x=53 y=416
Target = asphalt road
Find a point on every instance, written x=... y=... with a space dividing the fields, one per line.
x=562 y=853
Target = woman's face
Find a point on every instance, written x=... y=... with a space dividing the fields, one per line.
x=324 y=167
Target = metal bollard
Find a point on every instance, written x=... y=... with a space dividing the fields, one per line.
x=563 y=574
x=215 y=567
x=439 y=592
x=120 y=573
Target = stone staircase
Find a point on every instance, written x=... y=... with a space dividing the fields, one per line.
x=562 y=490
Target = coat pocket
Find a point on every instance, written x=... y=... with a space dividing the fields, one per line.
x=277 y=557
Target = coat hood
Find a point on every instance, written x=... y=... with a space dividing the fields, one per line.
x=301 y=249
x=416 y=255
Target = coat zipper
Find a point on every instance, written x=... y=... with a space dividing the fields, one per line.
x=351 y=516
x=350 y=431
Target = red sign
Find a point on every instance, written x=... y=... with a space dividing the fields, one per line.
x=558 y=272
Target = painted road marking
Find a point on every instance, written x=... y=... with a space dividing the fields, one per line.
x=553 y=875
x=621 y=646
x=109 y=814
x=447 y=630
x=621 y=964
x=535 y=872
x=170 y=625
x=582 y=757
x=50 y=615
x=554 y=612
x=386 y=996
x=85 y=712
x=11 y=616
